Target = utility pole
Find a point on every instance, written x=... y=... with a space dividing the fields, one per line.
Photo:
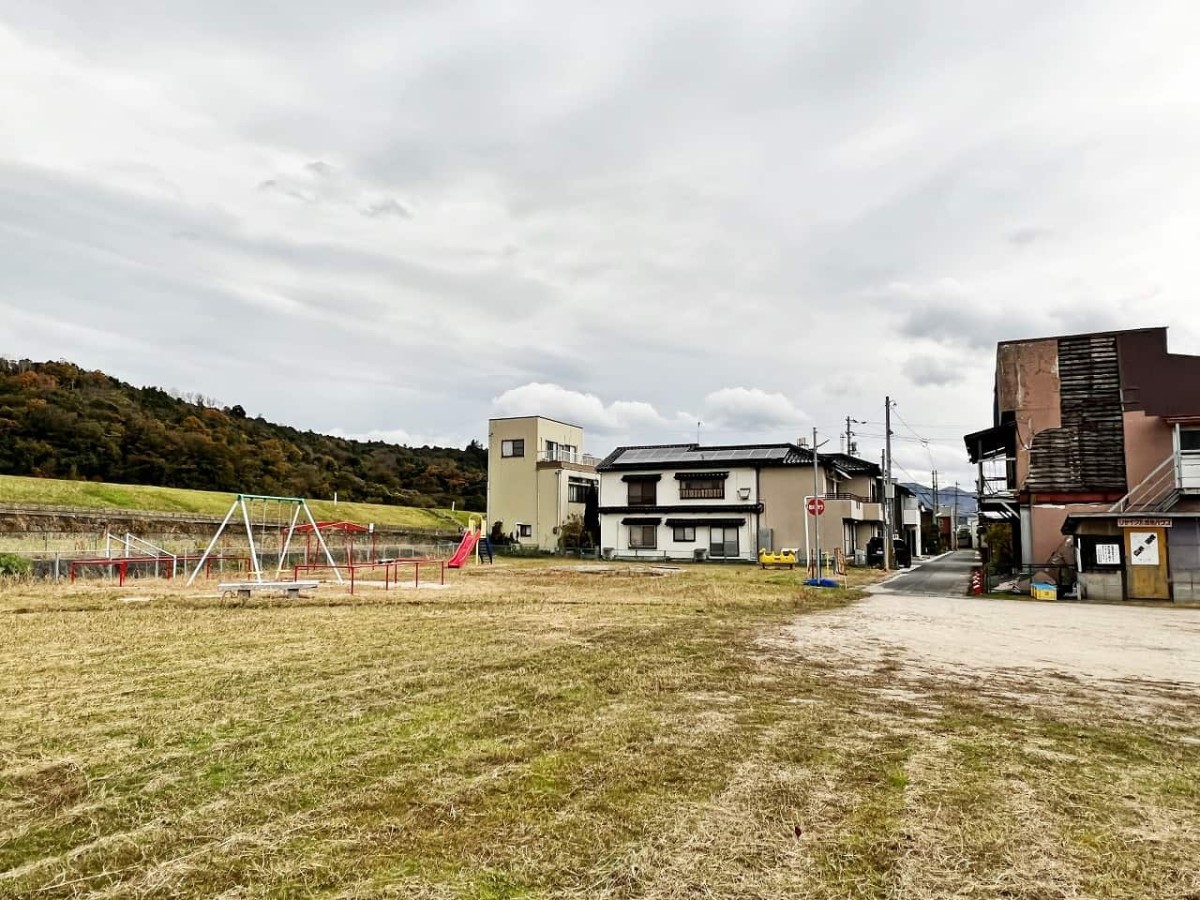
x=816 y=519
x=954 y=539
x=849 y=437
x=883 y=505
x=937 y=528
x=888 y=490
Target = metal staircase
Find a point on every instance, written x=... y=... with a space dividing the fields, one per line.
x=1157 y=492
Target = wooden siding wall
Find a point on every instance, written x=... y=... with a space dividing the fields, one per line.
x=1088 y=452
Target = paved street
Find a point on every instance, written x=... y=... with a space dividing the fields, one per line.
x=944 y=577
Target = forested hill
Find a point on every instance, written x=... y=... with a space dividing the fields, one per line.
x=59 y=421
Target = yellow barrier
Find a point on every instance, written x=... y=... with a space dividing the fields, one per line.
x=782 y=558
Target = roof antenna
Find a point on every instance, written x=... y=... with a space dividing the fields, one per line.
x=697 y=432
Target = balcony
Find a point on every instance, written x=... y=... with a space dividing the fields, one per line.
x=1187 y=471
x=856 y=507
x=566 y=457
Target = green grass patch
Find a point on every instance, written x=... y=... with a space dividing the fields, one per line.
x=147 y=499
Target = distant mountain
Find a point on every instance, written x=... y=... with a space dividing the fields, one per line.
x=60 y=421
x=967 y=505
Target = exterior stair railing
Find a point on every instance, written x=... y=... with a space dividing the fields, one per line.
x=1157 y=492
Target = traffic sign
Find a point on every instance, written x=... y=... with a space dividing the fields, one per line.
x=816 y=506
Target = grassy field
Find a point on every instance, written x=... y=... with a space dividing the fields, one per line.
x=142 y=498
x=537 y=731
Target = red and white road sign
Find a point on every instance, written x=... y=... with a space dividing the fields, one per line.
x=816 y=506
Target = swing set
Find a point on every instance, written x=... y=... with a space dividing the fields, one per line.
x=278 y=515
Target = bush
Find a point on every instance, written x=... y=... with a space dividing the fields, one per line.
x=11 y=564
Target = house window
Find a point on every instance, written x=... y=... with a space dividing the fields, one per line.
x=1189 y=440
x=643 y=537
x=524 y=530
x=643 y=493
x=723 y=542
x=512 y=448
x=577 y=490
x=702 y=489
x=685 y=534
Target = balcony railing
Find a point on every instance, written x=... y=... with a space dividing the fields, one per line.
x=686 y=493
x=567 y=456
x=1178 y=474
x=844 y=495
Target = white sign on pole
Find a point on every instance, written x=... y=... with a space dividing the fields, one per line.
x=1108 y=554
x=1143 y=548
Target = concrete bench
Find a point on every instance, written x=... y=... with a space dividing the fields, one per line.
x=244 y=588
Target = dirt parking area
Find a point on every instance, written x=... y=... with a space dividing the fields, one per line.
x=1129 y=650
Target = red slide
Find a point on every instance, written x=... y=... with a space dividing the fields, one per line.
x=459 y=559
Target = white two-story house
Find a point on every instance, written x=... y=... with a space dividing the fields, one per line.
x=685 y=501
x=682 y=501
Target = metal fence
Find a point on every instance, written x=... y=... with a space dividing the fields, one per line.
x=57 y=565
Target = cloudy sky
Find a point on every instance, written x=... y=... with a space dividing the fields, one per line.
x=398 y=219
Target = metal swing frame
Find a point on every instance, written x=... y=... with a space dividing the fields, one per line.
x=242 y=502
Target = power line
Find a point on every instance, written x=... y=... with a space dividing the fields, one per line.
x=913 y=440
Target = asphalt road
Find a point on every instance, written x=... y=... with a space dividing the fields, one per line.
x=943 y=577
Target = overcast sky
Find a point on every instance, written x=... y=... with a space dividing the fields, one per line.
x=398 y=219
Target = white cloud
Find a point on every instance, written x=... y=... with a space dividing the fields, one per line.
x=753 y=411
x=576 y=408
x=404 y=438
x=648 y=204
x=728 y=414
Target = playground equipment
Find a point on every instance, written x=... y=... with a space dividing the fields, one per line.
x=125 y=567
x=137 y=557
x=262 y=505
x=784 y=557
x=473 y=538
x=349 y=530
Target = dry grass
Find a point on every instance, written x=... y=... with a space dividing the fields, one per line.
x=144 y=498
x=532 y=732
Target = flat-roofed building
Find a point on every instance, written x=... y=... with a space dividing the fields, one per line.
x=538 y=477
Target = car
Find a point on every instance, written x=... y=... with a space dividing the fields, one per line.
x=901 y=555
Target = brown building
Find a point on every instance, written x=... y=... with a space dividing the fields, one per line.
x=1095 y=443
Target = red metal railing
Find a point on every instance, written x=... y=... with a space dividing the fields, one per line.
x=391 y=570
x=176 y=565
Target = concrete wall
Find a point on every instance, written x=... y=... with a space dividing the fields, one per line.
x=519 y=490
x=1045 y=533
x=1027 y=384
x=783 y=493
x=1101 y=586
x=1183 y=545
x=1148 y=441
